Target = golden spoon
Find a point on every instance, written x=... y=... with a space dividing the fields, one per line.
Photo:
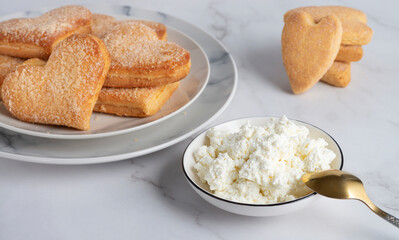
x=342 y=185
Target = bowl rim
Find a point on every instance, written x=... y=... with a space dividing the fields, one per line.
x=250 y=204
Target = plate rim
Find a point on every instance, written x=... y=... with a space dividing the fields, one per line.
x=117 y=157
x=117 y=132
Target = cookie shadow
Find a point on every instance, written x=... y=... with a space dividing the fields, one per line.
x=268 y=63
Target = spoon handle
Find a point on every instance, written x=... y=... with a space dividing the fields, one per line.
x=388 y=217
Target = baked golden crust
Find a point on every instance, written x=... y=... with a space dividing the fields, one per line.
x=8 y=65
x=349 y=53
x=134 y=102
x=339 y=74
x=65 y=89
x=36 y=37
x=102 y=24
x=354 y=22
x=140 y=59
x=309 y=48
x=144 y=77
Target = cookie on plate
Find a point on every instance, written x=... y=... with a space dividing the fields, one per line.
x=134 y=102
x=102 y=24
x=62 y=91
x=140 y=59
x=8 y=65
x=37 y=37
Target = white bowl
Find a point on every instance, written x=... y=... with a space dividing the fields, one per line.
x=257 y=210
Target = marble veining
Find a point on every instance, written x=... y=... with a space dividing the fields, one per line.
x=221 y=23
x=138 y=177
x=385 y=22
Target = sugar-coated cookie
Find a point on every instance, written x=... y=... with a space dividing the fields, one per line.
x=309 y=48
x=102 y=24
x=65 y=89
x=36 y=37
x=7 y=65
x=134 y=102
x=140 y=59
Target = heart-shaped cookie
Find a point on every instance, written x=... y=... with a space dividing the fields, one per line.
x=65 y=89
x=8 y=64
x=354 y=22
x=140 y=59
x=348 y=53
x=102 y=24
x=309 y=48
x=339 y=74
x=134 y=102
x=36 y=37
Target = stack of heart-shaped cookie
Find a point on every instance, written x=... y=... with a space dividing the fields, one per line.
x=319 y=43
x=145 y=68
x=125 y=68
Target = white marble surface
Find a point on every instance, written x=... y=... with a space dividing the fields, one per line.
x=148 y=198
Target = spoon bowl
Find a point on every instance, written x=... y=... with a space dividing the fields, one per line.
x=343 y=185
x=334 y=184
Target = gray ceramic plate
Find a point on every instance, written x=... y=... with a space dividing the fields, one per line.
x=103 y=125
x=211 y=102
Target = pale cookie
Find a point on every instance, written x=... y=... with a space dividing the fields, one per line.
x=339 y=74
x=8 y=65
x=309 y=48
x=157 y=27
x=36 y=37
x=102 y=24
x=354 y=22
x=134 y=102
x=140 y=59
x=65 y=89
x=349 y=53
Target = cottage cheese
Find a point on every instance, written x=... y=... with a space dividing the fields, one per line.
x=261 y=164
